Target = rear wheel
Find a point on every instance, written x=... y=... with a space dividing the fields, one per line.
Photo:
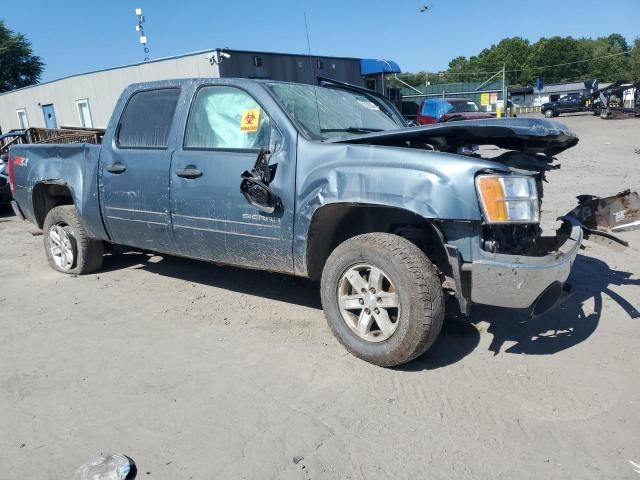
x=549 y=113
x=68 y=248
x=382 y=298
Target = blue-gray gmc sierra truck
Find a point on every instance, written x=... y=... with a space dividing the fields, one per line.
x=326 y=182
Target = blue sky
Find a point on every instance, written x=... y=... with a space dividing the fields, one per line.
x=77 y=36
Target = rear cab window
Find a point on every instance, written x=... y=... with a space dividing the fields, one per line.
x=147 y=118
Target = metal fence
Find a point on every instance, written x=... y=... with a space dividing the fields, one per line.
x=486 y=95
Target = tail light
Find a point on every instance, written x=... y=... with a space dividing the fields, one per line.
x=13 y=160
x=12 y=185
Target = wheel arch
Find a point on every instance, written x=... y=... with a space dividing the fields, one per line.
x=49 y=194
x=335 y=223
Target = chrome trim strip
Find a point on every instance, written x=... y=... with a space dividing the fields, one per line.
x=139 y=221
x=225 y=232
x=226 y=221
x=134 y=210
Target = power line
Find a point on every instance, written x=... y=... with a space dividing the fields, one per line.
x=541 y=67
x=573 y=63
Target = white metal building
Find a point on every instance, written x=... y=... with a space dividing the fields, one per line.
x=87 y=99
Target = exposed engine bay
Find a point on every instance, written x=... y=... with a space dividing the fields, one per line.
x=531 y=146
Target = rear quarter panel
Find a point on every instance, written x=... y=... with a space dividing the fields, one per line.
x=74 y=166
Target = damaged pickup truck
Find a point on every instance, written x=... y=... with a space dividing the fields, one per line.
x=326 y=182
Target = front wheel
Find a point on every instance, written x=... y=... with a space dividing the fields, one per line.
x=68 y=248
x=382 y=298
x=549 y=113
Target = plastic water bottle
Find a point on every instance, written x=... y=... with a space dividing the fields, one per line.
x=108 y=467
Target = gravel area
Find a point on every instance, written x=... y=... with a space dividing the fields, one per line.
x=198 y=371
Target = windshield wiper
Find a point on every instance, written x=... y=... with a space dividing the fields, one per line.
x=351 y=130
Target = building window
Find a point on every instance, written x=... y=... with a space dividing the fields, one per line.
x=147 y=119
x=84 y=113
x=370 y=83
x=23 y=121
x=257 y=61
x=319 y=64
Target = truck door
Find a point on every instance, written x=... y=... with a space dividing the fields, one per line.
x=225 y=130
x=573 y=103
x=135 y=172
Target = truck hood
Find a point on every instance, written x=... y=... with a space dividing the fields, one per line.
x=522 y=134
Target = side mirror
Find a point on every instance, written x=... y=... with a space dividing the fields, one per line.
x=255 y=185
x=259 y=195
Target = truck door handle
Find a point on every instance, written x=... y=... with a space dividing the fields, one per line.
x=189 y=172
x=116 y=168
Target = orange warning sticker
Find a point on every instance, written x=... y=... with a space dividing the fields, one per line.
x=250 y=120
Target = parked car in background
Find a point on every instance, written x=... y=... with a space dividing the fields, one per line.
x=324 y=182
x=574 y=102
x=436 y=110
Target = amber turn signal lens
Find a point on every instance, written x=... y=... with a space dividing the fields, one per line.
x=492 y=196
x=508 y=198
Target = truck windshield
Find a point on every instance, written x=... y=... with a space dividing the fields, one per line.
x=336 y=113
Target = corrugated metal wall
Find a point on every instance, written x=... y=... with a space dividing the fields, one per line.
x=290 y=68
x=102 y=89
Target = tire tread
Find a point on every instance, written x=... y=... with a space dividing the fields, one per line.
x=90 y=251
x=427 y=283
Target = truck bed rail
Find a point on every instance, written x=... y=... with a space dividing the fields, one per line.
x=63 y=135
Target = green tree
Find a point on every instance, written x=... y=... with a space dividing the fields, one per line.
x=557 y=59
x=611 y=61
x=19 y=67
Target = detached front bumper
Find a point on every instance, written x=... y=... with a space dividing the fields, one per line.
x=524 y=282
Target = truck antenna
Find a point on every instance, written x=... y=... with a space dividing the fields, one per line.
x=313 y=73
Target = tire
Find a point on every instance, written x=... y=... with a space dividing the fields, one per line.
x=549 y=113
x=408 y=274
x=66 y=244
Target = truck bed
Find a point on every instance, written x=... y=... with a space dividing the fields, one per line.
x=45 y=166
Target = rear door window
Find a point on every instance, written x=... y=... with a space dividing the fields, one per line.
x=147 y=119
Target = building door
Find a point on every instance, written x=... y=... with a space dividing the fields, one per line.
x=49 y=116
x=135 y=172
x=212 y=220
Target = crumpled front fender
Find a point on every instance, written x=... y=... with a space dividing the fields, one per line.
x=433 y=185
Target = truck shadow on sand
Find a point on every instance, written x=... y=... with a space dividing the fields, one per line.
x=558 y=329
x=568 y=324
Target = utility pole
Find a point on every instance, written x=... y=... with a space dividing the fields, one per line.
x=505 y=107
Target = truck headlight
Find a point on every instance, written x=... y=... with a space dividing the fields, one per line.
x=508 y=198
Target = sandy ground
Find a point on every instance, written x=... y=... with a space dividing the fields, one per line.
x=206 y=372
